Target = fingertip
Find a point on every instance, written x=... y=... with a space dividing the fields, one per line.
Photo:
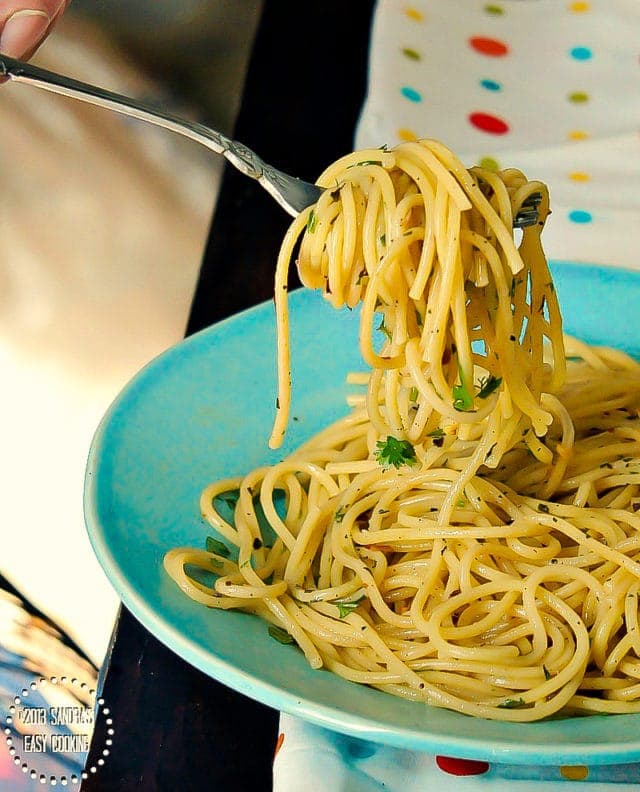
x=23 y=30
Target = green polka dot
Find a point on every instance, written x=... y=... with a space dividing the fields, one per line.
x=578 y=97
x=489 y=163
x=411 y=54
x=494 y=9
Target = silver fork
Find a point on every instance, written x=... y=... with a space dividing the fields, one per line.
x=291 y=193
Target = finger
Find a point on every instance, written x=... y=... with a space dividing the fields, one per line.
x=24 y=24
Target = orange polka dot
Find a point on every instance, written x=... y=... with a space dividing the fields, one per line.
x=579 y=8
x=578 y=134
x=579 y=176
x=406 y=134
x=278 y=744
x=574 y=773
x=414 y=14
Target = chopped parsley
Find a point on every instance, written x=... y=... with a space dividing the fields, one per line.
x=488 y=385
x=413 y=394
x=339 y=515
x=384 y=329
x=281 y=635
x=345 y=608
x=395 y=452
x=312 y=222
x=462 y=397
x=512 y=704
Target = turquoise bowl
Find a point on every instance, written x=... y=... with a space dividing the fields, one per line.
x=202 y=411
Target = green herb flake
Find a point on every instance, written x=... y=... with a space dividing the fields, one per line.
x=488 y=385
x=547 y=673
x=383 y=239
x=214 y=546
x=312 y=222
x=512 y=704
x=395 y=452
x=281 y=635
x=413 y=394
x=339 y=515
x=462 y=398
x=345 y=608
x=384 y=329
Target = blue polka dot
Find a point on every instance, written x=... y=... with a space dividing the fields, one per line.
x=580 y=216
x=491 y=85
x=411 y=94
x=581 y=53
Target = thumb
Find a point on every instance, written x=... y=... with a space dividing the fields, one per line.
x=24 y=24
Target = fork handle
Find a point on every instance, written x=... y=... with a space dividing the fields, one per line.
x=239 y=155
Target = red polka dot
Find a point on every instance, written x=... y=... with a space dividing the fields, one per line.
x=461 y=767
x=489 y=123
x=488 y=46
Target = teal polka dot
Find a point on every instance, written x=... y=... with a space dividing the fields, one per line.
x=581 y=53
x=491 y=85
x=411 y=94
x=580 y=216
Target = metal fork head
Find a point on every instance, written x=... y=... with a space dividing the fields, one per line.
x=528 y=214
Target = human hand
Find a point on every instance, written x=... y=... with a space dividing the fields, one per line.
x=24 y=24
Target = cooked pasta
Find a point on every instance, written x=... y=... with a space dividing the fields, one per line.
x=467 y=536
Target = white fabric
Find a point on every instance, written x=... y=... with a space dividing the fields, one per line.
x=558 y=52
x=561 y=81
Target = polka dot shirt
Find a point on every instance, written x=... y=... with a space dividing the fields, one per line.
x=548 y=86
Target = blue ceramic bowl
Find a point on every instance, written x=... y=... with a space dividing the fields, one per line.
x=203 y=410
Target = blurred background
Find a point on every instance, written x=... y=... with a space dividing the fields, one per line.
x=102 y=230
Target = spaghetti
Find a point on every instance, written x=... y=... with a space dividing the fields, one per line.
x=467 y=536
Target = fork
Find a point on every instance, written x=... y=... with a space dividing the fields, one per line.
x=291 y=193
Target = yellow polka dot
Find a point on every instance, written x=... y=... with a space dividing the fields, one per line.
x=574 y=773
x=414 y=14
x=579 y=176
x=578 y=134
x=490 y=164
x=579 y=8
x=406 y=134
